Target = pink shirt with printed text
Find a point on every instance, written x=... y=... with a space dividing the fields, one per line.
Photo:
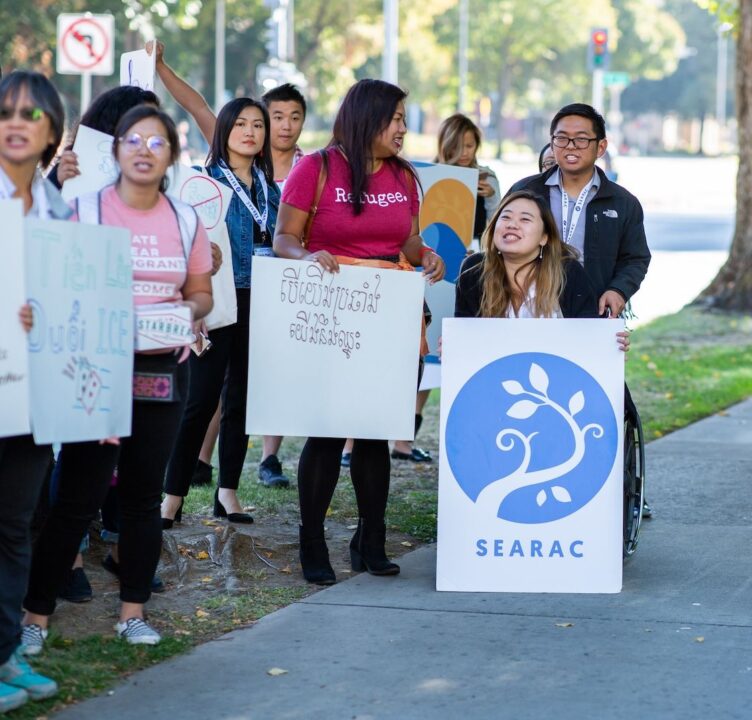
x=389 y=205
x=157 y=257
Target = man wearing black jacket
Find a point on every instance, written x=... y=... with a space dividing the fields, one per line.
x=600 y=218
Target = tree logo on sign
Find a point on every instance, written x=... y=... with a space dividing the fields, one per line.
x=531 y=437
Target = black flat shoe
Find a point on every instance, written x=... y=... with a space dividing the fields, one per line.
x=220 y=512
x=417 y=455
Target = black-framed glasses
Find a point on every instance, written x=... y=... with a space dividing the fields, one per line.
x=155 y=144
x=27 y=114
x=581 y=143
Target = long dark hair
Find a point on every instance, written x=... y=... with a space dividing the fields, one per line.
x=366 y=112
x=142 y=112
x=226 y=122
x=44 y=95
x=105 y=111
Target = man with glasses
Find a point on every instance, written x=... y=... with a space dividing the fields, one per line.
x=595 y=215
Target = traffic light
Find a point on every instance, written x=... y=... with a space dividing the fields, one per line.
x=598 y=55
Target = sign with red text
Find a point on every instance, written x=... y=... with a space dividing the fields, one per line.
x=85 y=44
x=333 y=354
x=531 y=467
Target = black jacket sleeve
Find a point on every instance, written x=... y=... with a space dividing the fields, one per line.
x=469 y=290
x=633 y=256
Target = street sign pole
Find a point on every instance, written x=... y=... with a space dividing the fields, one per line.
x=85 y=91
x=598 y=90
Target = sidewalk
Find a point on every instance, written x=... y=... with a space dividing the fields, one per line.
x=676 y=643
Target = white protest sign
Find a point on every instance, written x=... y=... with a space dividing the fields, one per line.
x=163 y=325
x=137 y=68
x=447 y=217
x=333 y=355
x=531 y=468
x=211 y=199
x=95 y=161
x=81 y=346
x=14 y=362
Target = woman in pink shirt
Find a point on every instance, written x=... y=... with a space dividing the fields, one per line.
x=367 y=213
x=171 y=263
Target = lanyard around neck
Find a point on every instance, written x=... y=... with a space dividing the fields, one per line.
x=567 y=227
x=259 y=218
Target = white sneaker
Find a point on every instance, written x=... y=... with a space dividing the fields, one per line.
x=137 y=632
x=32 y=639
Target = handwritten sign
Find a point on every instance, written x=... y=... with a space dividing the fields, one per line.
x=14 y=365
x=211 y=199
x=95 y=161
x=333 y=355
x=81 y=346
x=531 y=468
x=137 y=68
x=163 y=325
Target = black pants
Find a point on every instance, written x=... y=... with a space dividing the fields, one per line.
x=318 y=473
x=223 y=370
x=85 y=474
x=23 y=467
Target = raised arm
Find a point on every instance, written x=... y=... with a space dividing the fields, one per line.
x=187 y=97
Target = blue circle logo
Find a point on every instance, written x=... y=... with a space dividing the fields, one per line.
x=532 y=436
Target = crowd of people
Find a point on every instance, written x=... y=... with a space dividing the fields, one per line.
x=567 y=242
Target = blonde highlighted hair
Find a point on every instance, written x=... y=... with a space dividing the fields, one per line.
x=546 y=271
x=451 y=137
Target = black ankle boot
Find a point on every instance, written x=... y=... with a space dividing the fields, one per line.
x=368 y=552
x=314 y=557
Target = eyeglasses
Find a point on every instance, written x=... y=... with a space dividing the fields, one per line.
x=562 y=141
x=27 y=114
x=155 y=144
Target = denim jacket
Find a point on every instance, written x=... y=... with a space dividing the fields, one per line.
x=241 y=227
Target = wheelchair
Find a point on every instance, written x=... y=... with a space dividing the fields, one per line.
x=634 y=475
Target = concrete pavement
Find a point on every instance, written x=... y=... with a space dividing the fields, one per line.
x=675 y=643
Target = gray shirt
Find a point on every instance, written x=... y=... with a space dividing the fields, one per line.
x=555 y=191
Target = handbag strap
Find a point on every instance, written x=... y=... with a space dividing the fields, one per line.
x=323 y=172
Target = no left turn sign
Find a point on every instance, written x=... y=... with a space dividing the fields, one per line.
x=85 y=44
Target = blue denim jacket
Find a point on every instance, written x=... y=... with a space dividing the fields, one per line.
x=241 y=227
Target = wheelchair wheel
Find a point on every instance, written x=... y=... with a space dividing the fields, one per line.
x=634 y=481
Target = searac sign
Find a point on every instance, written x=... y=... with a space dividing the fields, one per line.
x=85 y=44
x=530 y=481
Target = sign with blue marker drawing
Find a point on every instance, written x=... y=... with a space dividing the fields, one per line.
x=81 y=346
x=14 y=364
x=531 y=469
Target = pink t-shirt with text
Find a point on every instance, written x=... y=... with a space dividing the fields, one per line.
x=157 y=257
x=389 y=205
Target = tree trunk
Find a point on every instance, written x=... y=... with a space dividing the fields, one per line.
x=732 y=287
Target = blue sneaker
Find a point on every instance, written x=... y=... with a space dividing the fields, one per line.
x=11 y=698
x=19 y=674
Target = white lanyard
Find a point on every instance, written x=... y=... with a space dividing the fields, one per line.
x=567 y=230
x=259 y=218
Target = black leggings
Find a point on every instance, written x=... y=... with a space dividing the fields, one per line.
x=318 y=473
x=85 y=475
x=223 y=370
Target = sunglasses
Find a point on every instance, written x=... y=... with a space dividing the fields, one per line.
x=28 y=114
x=155 y=144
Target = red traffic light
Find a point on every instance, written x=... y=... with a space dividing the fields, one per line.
x=600 y=37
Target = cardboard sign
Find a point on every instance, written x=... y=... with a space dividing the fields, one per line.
x=14 y=363
x=333 y=355
x=211 y=200
x=531 y=468
x=138 y=68
x=78 y=279
x=163 y=325
x=95 y=161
